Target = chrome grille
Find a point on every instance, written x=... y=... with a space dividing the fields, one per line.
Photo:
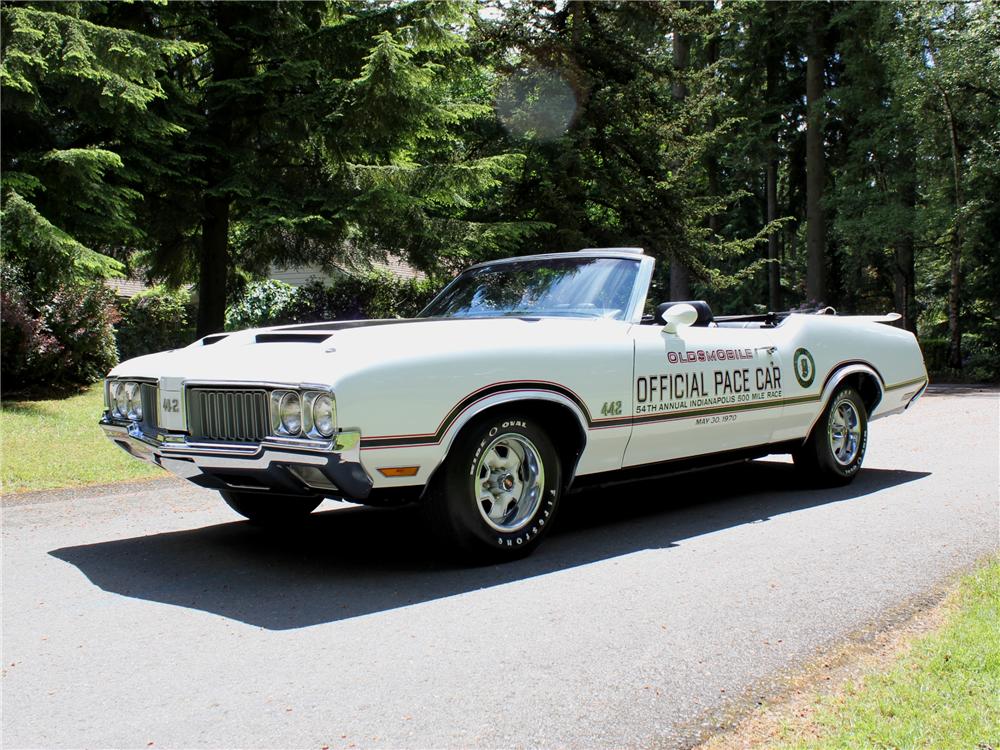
x=147 y=392
x=237 y=415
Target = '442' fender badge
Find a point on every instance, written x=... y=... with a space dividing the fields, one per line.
x=804 y=367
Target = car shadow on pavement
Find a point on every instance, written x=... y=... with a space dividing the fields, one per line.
x=352 y=561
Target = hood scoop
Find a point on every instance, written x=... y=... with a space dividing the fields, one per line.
x=292 y=337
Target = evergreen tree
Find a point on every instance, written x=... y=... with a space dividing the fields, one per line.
x=615 y=155
x=875 y=193
x=316 y=131
x=77 y=112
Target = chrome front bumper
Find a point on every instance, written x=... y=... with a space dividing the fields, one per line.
x=331 y=470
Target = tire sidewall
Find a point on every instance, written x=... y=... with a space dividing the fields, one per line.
x=469 y=525
x=827 y=462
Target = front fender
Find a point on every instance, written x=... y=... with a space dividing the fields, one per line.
x=513 y=397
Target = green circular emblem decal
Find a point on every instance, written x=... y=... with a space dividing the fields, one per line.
x=804 y=367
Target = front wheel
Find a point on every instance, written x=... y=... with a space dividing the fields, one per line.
x=833 y=453
x=266 y=509
x=497 y=493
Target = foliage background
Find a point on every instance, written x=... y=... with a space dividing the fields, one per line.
x=769 y=155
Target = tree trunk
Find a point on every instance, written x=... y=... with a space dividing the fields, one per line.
x=680 y=282
x=712 y=159
x=773 y=249
x=795 y=190
x=229 y=62
x=771 y=190
x=816 y=291
x=903 y=269
x=214 y=266
x=955 y=281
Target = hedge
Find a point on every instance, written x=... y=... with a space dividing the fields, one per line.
x=67 y=341
x=155 y=320
x=372 y=295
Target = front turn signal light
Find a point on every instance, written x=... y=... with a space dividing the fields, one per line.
x=399 y=471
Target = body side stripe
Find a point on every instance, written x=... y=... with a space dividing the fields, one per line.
x=905 y=383
x=530 y=386
x=405 y=441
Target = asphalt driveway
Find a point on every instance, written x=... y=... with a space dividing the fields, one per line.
x=150 y=616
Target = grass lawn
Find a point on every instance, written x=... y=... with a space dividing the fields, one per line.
x=944 y=694
x=48 y=444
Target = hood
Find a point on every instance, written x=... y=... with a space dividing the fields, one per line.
x=320 y=353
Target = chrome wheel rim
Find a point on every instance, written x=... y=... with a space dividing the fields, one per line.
x=508 y=482
x=845 y=433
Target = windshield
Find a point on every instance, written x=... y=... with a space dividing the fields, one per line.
x=566 y=287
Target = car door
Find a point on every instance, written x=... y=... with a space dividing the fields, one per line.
x=702 y=390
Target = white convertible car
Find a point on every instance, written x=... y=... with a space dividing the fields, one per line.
x=522 y=379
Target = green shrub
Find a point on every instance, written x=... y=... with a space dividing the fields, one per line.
x=26 y=343
x=935 y=351
x=374 y=295
x=67 y=341
x=263 y=303
x=155 y=320
x=82 y=318
x=982 y=359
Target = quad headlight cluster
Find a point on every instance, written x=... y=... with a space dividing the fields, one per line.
x=306 y=414
x=125 y=400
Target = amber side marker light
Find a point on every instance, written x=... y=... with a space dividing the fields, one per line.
x=399 y=471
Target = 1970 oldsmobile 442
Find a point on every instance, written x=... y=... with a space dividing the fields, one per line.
x=521 y=379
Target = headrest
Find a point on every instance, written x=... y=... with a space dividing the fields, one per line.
x=704 y=311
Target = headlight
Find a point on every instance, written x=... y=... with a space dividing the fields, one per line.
x=306 y=414
x=324 y=415
x=121 y=401
x=114 y=391
x=290 y=413
x=133 y=401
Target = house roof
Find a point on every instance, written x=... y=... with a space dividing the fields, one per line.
x=295 y=275
x=126 y=288
x=399 y=267
x=298 y=275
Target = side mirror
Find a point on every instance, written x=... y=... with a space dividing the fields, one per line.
x=676 y=316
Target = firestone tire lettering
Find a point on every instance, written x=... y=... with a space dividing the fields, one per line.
x=815 y=459
x=452 y=512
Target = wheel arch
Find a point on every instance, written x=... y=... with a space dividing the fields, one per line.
x=560 y=417
x=861 y=376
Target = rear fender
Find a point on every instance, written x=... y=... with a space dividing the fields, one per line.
x=872 y=395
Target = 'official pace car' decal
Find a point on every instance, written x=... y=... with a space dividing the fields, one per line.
x=725 y=389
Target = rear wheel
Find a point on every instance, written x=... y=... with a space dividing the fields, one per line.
x=833 y=453
x=497 y=493
x=266 y=509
